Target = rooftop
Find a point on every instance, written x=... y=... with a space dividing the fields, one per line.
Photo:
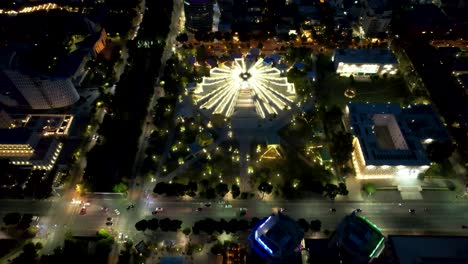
x=15 y=136
x=430 y=249
x=278 y=236
x=391 y=135
x=360 y=236
x=382 y=56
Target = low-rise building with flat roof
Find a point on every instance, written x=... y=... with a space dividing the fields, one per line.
x=364 y=62
x=389 y=141
x=277 y=238
x=32 y=140
x=428 y=249
x=358 y=237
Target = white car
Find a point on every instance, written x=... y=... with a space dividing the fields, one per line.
x=228 y=206
x=117 y=212
x=159 y=209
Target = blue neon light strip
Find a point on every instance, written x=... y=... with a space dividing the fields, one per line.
x=259 y=240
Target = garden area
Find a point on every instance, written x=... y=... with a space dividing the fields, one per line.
x=288 y=176
x=382 y=89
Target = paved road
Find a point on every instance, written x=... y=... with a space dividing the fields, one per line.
x=442 y=217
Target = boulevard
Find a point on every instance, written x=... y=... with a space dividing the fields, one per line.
x=440 y=218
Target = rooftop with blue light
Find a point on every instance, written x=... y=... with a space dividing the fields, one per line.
x=277 y=236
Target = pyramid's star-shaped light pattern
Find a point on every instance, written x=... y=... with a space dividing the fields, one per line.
x=269 y=92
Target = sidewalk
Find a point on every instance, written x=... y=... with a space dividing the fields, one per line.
x=441 y=191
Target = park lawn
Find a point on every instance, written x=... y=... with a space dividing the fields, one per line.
x=332 y=87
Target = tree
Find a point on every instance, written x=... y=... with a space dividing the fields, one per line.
x=120 y=188
x=351 y=79
x=192 y=186
x=342 y=147
x=210 y=193
x=265 y=187
x=218 y=35
x=254 y=221
x=235 y=191
x=315 y=225
x=218 y=120
x=12 y=218
x=167 y=224
x=204 y=139
x=333 y=115
x=260 y=45
x=309 y=116
x=217 y=249
x=102 y=233
x=331 y=191
x=29 y=255
x=227 y=36
x=182 y=37
x=187 y=231
x=222 y=189
x=369 y=188
x=153 y=224
x=440 y=151
x=141 y=225
x=303 y=224
x=342 y=190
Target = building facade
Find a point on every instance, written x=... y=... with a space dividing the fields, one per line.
x=198 y=15
x=27 y=91
x=375 y=17
x=364 y=62
x=390 y=141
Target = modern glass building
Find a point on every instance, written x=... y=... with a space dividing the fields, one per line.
x=198 y=15
x=277 y=239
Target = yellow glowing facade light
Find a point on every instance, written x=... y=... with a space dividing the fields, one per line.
x=364 y=171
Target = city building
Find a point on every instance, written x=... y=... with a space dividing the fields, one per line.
x=375 y=17
x=198 y=15
x=32 y=140
x=36 y=92
x=277 y=238
x=5 y=120
x=359 y=238
x=24 y=147
x=364 y=62
x=389 y=141
x=428 y=249
x=245 y=88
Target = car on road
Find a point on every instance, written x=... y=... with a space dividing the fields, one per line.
x=83 y=211
x=109 y=218
x=332 y=210
x=412 y=211
x=117 y=212
x=228 y=206
x=159 y=209
x=199 y=209
x=207 y=205
x=358 y=210
x=243 y=211
x=109 y=223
